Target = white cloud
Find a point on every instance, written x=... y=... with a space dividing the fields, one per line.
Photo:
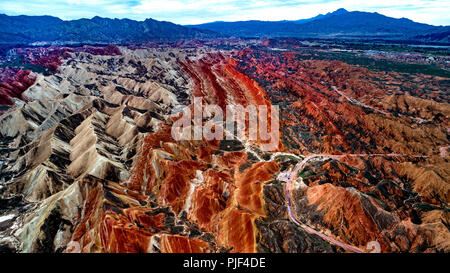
x=200 y=11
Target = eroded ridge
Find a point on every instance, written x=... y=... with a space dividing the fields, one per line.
x=88 y=162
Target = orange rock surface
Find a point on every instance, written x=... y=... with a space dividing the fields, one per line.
x=89 y=163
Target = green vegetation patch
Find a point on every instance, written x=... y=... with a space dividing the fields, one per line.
x=376 y=64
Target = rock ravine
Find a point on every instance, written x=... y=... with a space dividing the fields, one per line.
x=88 y=162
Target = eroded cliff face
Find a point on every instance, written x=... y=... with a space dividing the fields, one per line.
x=384 y=137
x=89 y=163
x=13 y=82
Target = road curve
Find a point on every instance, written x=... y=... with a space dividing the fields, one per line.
x=289 y=180
x=293 y=217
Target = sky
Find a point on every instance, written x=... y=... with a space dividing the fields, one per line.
x=435 y=12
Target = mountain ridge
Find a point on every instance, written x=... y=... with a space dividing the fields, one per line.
x=322 y=16
x=51 y=30
x=23 y=29
x=338 y=24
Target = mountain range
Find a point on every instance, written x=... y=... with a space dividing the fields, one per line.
x=338 y=24
x=32 y=29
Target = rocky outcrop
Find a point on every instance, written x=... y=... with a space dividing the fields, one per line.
x=88 y=161
x=13 y=82
x=391 y=174
x=78 y=127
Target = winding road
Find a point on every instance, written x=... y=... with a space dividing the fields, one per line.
x=294 y=219
x=363 y=105
x=289 y=178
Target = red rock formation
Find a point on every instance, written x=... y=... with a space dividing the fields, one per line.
x=333 y=121
x=226 y=201
x=105 y=174
x=180 y=244
x=330 y=107
x=110 y=50
x=13 y=82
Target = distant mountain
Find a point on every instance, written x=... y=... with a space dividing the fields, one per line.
x=364 y=24
x=251 y=28
x=321 y=16
x=338 y=24
x=441 y=35
x=47 y=29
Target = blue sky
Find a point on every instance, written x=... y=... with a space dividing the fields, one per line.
x=434 y=12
